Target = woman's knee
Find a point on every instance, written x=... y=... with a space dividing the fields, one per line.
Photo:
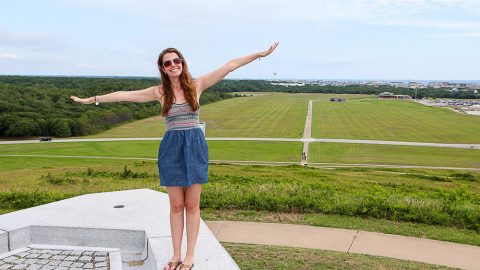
x=192 y=206
x=176 y=207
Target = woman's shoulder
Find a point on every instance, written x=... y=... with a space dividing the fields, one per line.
x=158 y=91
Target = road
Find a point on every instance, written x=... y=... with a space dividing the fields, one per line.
x=447 y=145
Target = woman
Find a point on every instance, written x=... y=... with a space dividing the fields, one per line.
x=183 y=154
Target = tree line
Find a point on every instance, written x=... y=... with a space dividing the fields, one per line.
x=40 y=106
x=266 y=86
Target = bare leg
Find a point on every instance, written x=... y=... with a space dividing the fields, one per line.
x=177 y=205
x=192 y=207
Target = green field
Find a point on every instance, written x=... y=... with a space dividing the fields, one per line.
x=264 y=151
x=374 y=119
x=283 y=116
x=393 y=155
x=438 y=204
x=218 y=150
x=266 y=115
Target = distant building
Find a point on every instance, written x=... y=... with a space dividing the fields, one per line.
x=337 y=100
x=287 y=84
x=388 y=95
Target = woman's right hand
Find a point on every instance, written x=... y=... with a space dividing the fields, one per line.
x=89 y=100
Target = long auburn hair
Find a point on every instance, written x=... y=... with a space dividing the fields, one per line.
x=186 y=83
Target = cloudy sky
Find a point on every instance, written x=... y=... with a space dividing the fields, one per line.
x=319 y=39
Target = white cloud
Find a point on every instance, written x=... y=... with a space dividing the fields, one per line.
x=11 y=56
x=416 y=13
x=338 y=36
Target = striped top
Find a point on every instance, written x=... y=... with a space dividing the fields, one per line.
x=181 y=116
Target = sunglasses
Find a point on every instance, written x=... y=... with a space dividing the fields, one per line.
x=176 y=61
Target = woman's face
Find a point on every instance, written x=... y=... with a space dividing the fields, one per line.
x=171 y=65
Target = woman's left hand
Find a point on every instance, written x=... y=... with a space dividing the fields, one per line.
x=269 y=51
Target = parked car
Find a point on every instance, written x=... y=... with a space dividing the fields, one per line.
x=45 y=139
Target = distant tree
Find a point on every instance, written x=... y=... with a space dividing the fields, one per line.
x=61 y=128
x=3 y=124
x=23 y=127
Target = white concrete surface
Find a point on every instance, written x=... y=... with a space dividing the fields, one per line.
x=92 y=220
x=208 y=254
x=3 y=242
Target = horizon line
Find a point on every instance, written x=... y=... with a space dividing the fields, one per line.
x=250 y=79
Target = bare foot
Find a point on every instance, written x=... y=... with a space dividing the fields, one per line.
x=186 y=266
x=172 y=264
x=187 y=263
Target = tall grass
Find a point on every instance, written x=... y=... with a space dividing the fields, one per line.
x=25 y=199
x=398 y=202
x=446 y=198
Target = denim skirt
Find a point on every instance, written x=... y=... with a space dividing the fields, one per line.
x=183 y=158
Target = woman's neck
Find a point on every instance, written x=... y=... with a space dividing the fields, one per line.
x=176 y=85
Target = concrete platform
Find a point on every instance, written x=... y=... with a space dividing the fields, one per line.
x=136 y=222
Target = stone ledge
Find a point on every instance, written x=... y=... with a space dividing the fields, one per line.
x=4 y=242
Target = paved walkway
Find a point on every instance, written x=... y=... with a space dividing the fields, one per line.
x=351 y=241
x=307 y=134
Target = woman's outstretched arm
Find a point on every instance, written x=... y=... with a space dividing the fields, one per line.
x=208 y=80
x=144 y=95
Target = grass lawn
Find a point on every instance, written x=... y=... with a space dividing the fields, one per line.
x=261 y=115
x=218 y=150
x=438 y=204
x=263 y=151
x=257 y=151
x=257 y=257
x=393 y=154
x=374 y=119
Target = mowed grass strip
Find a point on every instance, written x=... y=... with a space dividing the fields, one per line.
x=349 y=153
x=342 y=153
x=218 y=150
x=269 y=115
x=255 y=151
x=397 y=120
x=257 y=257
